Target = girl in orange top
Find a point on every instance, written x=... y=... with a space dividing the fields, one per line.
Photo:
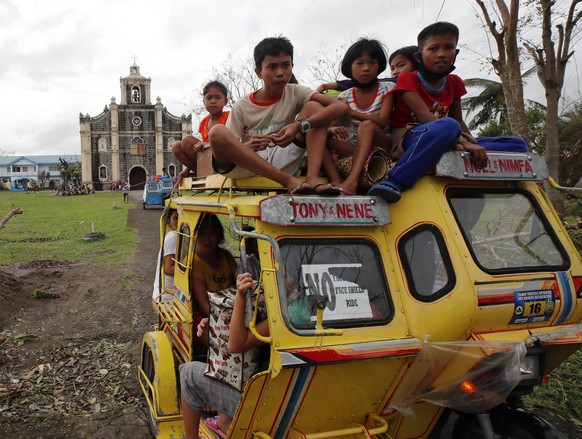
x=215 y=97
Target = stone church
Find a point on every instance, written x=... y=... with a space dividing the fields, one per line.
x=132 y=140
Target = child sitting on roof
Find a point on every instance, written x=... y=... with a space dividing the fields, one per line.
x=427 y=119
x=270 y=130
x=370 y=110
x=215 y=97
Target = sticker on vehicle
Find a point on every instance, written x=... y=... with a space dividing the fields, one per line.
x=532 y=306
x=345 y=300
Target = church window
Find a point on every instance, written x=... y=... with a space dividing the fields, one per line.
x=171 y=141
x=136 y=121
x=102 y=172
x=135 y=94
x=137 y=146
x=102 y=144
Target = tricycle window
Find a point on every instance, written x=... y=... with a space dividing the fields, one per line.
x=183 y=246
x=506 y=231
x=426 y=262
x=346 y=277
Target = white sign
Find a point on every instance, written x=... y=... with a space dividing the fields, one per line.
x=346 y=300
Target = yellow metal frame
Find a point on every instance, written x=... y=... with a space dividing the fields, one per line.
x=555 y=185
x=358 y=430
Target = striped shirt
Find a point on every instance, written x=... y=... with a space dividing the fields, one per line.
x=382 y=90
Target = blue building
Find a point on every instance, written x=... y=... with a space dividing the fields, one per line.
x=16 y=171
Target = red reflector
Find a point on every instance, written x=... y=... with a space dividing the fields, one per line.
x=545 y=379
x=578 y=285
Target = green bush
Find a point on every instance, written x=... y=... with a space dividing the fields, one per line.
x=576 y=236
x=572 y=212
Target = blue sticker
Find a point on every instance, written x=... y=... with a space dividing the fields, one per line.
x=532 y=306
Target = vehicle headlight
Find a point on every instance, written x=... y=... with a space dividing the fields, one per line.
x=530 y=367
x=532 y=370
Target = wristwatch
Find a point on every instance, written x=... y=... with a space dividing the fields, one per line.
x=304 y=126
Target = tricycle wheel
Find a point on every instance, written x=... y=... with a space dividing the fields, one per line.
x=508 y=422
x=148 y=367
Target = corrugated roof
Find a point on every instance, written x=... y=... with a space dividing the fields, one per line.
x=39 y=159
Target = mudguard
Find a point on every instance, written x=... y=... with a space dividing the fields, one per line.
x=157 y=351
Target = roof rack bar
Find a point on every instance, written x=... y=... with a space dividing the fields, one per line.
x=201 y=204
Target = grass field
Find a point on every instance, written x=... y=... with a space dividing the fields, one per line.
x=52 y=227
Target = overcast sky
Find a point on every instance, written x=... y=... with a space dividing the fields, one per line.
x=61 y=58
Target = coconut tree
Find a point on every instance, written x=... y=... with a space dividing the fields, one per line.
x=489 y=104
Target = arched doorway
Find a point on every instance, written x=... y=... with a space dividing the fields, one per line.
x=137 y=178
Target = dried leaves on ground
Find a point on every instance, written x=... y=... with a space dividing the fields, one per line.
x=78 y=379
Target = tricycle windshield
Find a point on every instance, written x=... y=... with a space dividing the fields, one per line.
x=507 y=232
x=346 y=276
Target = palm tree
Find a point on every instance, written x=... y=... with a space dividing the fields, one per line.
x=490 y=103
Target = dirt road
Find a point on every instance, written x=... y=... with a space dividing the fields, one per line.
x=68 y=363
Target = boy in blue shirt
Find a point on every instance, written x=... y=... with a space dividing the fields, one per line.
x=427 y=119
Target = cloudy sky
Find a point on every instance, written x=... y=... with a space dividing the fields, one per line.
x=62 y=58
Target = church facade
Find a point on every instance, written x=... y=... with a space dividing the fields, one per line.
x=131 y=140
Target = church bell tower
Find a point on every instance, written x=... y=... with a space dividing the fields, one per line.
x=135 y=89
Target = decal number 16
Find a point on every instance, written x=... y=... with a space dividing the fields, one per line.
x=535 y=309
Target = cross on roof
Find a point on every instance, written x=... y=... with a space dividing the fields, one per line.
x=134 y=58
